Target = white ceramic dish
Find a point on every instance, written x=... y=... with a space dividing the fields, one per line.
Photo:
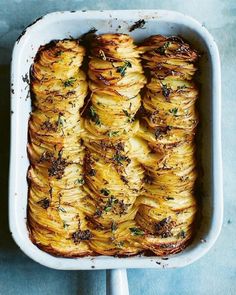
x=61 y=25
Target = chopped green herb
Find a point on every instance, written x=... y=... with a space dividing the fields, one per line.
x=174 y=111
x=169 y=198
x=92 y=172
x=120 y=244
x=92 y=112
x=105 y=191
x=132 y=97
x=161 y=131
x=161 y=50
x=60 y=120
x=181 y=87
x=110 y=203
x=119 y=159
x=165 y=91
x=61 y=209
x=81 y=235
x=44 y=203
x=113 y=133
x=107 y=209
x=81 y=181
x=69 y=82
x=94 y=116
x=182 y=234
x=98 y=213
x=122 y=69
x=58 y=53
x=130 y=117
x=184 y=177
x=65 y=225
x=113 y=226
x=135 y=231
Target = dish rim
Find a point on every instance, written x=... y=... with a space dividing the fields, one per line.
x=105 y=262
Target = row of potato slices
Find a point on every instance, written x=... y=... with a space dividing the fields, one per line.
x=168 y=206
x=56 y=216
x=113 y=173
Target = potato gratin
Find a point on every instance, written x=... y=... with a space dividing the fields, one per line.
x=112 y=155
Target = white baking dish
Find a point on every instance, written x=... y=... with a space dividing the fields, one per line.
x=60 y=25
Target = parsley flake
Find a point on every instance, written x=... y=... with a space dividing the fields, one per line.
x=161 y=50
x=174 y=111
x=122 y=69
x=44 y=203
x=81 y=181
x=94 y=116
x=69 y=82
x=105 y=191
x=113 y=133
x=165 y=91
x=135 y=231
x=130 y=117
x=61 y=209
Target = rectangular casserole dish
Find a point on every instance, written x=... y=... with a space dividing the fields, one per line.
x=60 y=25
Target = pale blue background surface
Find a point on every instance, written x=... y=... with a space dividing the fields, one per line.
x=213 y=274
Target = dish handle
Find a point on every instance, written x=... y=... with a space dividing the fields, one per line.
x=117 y=282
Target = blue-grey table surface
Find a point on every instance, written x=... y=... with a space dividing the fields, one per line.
x=215 y=273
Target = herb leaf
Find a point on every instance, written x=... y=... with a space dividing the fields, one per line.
x=58 y=53
x=113 y=133
x=110 y=203
x=174 y=111
x=105 y=191
x=130 y=117
x=61 y=209
x=120 y=244
x=120 y=158
x=65 y=225
x=69 y=82
x=122 y=69
x=94 y=116
x=81 y=235
x=44 y=203
x=60 y=120
x=92 y=172
x=181 y=87
x=182 y=234
x=98 y=213
x=135 y=231
x=107 y=209
x=165 y=91
x=161 y=50
x=113 y=226
x=81 y=181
